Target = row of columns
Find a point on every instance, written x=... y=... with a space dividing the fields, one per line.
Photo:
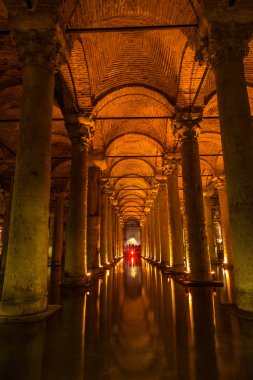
x=167 y=244
x=25 y=282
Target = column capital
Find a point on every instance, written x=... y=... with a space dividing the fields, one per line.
x=80 y=131
x=220 y=42
x=162 y=182
x=105 y=185
x=219 y=182
x=170 y=166
x=187 y=124
x=59 y=191
x=39 y=41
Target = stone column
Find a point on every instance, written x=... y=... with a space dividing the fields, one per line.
x=175 y=219
x=220 y=184
x=94 y=219
x=75 y=271
x=109 y=230
x=25 y=284
x=6 y=227
x=157 y=231
x=143 y=237
x=164 y=222
x=147 y=238
x=209 y=225
x=152 y=232
x=104 y=224
x=51 y=234
x=58 y=230
x=187 y=130
x=226 y=45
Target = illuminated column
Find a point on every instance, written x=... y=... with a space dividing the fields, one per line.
x=185 y=236
x=58 y=230
x=51 y=234
x=209 y=224
x=104 y=224
x=93 y=218
x=175 y=219
x=147 y=237
x=40 y=49
x=152 y=232
x=220 y=184
x=109 y=229
x=164 y=222
x=226 y=45
x=75 y=273
x=143 y=236
x=156 y=223
x=187 y=130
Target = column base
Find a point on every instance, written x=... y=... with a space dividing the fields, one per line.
x=55 y=264
x=227 y=266
x=25 y=318
x=76 y=282
x=233 y=309
x=201 y=283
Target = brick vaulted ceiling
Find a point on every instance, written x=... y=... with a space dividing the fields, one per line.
x=137 y=73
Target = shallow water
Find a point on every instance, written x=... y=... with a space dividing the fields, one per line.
x=134 y=323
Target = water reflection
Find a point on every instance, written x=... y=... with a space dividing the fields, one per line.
x=135 y=323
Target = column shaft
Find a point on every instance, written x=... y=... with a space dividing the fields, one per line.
x=6 y=228
x=164 y=224
x=194 y=211
x=76 y=242
x=109 y=231
x=209 y=228
x=94 y=218
x=104 y=228
x=237 y=143
x=58 y=231
x=175 y=224
x=25 y=283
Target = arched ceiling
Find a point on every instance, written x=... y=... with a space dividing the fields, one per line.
x=130 y=81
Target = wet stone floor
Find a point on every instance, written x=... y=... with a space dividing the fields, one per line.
x=135 y=323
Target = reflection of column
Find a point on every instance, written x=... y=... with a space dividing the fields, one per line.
x=21 y=351
x=226 y=45
x=104 y=225
x=220 y=185
x=209 y=225
x=187 y=131
x=65 y=342
x=202 y=314
x=25 y=283
x=75 y=273
x=175 y=220
x=164 y=222
x=58 y=230
x=93 y=218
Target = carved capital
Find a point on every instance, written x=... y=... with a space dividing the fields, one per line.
x=47 y=48
x=79 y=134
x=187 y=125
x=170 y=167
x=105 y=185
x=219 y=42
x=219 y=183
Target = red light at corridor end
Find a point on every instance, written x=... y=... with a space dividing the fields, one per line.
x=132 y=252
